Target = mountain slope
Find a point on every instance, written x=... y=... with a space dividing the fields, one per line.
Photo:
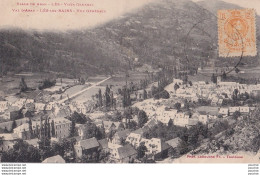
x=168 y=32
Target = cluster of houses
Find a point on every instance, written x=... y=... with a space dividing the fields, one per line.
x=122 y=147
x=211 y=91
x=7 y=108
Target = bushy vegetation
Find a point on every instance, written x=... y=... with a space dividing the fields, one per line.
x=47 y=83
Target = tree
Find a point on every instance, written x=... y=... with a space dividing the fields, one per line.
x=101 y=132
x=100 y=98
x=173 y=153
x=145 y=94
x=23 y=85
x=186 y=104
x=170 y=123
x=1 y=141
x=235 y=93
x=141 y=149
x=78 y=118
x=121 y=125
x=45 y=141
x=107 y=96
x=14 y=125
x=91 y=130
x=164 y=94
x=142 y=118
x=73 y=131
x=185 y=79
x=247 y=95
x=177 y=106
x=176 y=86
x=118 y=116
x=6 y=130
x=119 y=91
x=132 y=125
x=154 y=90
x=224 y=75
x=22 y=152
x=30 y=128
x=183 y=146
x=214 y=78
x=52 y=129
x=256 y=143
x=46 y=84
x=237 y=70
x=236 y=114
x=58 y=149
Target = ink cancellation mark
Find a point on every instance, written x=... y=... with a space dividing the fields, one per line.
x=236 y=33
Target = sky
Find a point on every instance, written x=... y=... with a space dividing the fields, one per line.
x=70 y=21
x=63 y=21
x=255 y=4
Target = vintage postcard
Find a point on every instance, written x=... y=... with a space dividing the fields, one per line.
x=141 y=81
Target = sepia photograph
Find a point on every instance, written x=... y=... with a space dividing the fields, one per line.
x=148 y=81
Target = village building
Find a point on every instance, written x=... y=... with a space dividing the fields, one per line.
x=9 y=140
x=104 y=145
x=134 y=138
x=6 y=145
x=156 y=147
x=3 y=106
x=39 y=107
x=233 y=109
x=203 y=119
x=174 y=142
x=33 y=142
x=61 y=126
x=84 y=147
x=244 y=109
x=120 y=137
x=124 y=154
x=224 y=112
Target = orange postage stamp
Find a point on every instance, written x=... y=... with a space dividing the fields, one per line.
x=236 y=33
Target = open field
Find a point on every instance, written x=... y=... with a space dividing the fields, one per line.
x=10 y=84
x=117 y=81
x=120 y=80
x=246 y=73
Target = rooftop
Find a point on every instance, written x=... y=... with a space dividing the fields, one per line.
x=88 y=143
x=126 y=151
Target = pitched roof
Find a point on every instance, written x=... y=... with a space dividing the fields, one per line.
x=54 y=159
x=9 y=136
x=138 y=131
x=151 y=123
x=32 y=141
x=126 y=151
x=123 y=134
x=174 y=142
x=88 y=143
x=164 y=146
x=103 y=143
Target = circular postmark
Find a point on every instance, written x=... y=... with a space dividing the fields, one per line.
x=235 y=29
